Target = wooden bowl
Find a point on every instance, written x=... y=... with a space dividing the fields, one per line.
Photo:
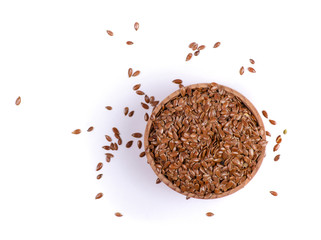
x=150 y=160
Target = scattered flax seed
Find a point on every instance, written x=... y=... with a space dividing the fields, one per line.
x=110 y=155
x=191 y=44
x=158 y=181
x=90 y=129
x=137 y=135
x=252 y=70
x=146 y=117
x=120 y=141
x=189 y=56
x=201 y=47
x=106 y=147
x=99 y=195
x=276 y=147
x=118 y=214
x=268 y=133
x=116 y=146
x=126 y=109
x=129 y=144
x=110 y=33
x=99 y=176
x=115 y=131
x=195 y=47
x=77 y=131
x=196 y=53
x=109 y=108
x=278 y=139
x=277 y=157
x=136 y=87
x=209 y=214
x=18 y=101
x=139 y=144
x=129 y=43
x=285 y=131
x=130 y=72
x=99 y=166
x=265 y=114
x=108 y=138
x=140 y=92
x=177 y=81
x=136 y=26
x=272 y=122
x=147 y=100
x=142 y=154
x=144 y=105
x=130 y=114
x=274 y=193
x=252 y=61
x=136 y=73
x=242 y=70
x=107 y=159
x=216 y=45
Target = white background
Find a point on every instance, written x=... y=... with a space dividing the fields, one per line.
x=57 y=56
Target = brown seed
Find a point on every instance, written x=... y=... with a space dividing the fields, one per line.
x=108 y=138
x=196 y=53
x=137 y=135
x=115 y=131
x=268 y=133
x=129 y=144
x=278 y=139
x=129 y=43
x=130 y=72
x=126 y=109
x=18 y=101
x=109 y=108
x=252 y=70
x=277 y=157
x=142 y=154
x=99 y=195
x=130 y=114
x=285 y=131
x=136 y=26
x=140 y=92
x=110 y=33
x=195 y=46
x=177 y=81
x=120 y=141
x=201 y=47
x=252 y=61
x=147 y=100
x=189 y=56
x=191 y=44
x=158 y=181
x=118 y=214
x=99 y=176
x=99 y=166
x=110 y=155
x=242 y=70
x=276 y=147
x=90 y=129
x=274 y=193
x=209 y=214
x=139 y=144
x=265 y=114
x=144 y=105
x=136 y=87
x=77 y=131
x=216 y=45
x=116 y=146
x=146 y=117
x=272 y=122
x=136 y=73
x=106 y=147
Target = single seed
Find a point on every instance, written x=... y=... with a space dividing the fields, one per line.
x=265 y=114
x=77 y=131
x=252 y=61
x=107 y=159
x=252 y=70
x=109 y=108
x=278 y=139
x=109 y=155
x=136 y=26
x=130 y=72
x=99 y=176
x=99 y=195
x=106 y=147
x=189 y=56
x=130 y=114
x=276 y=147
x=108 y=138
x=129 y=144
x=195 y=46
x=191 y=44
x=116 y=146
x=209 y=214
x=201 y=47
x=177 y=81
x=126 y=109
x=118 y=214
x=136 y=73
x=129 y=43
x=142 y=154
x=115 y=130
x=242 y=70
x=120 y=141
x=158 y=181
x=139 y=144
x=110 y=33
x=216 y=45
x=136 y=87
x=285 y=131
x=18 y=101
x=147 y=100
x=140 y=92
x=268 y=133
x=272 y=122
x=277 y=157
x=196 y=53
x=137 y=135
x=146 y=117
x=274 y=193
x=144 y=105
x=99 y=166
x=90 y=129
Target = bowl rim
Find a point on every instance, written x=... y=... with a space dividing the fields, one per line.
x=176 y=93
